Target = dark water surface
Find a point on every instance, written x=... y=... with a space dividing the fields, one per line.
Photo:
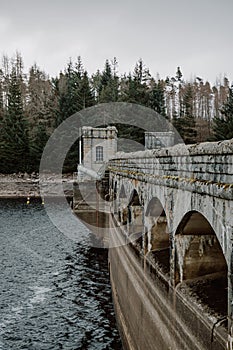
x=54 y=292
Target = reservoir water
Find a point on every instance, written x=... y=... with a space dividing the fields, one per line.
x=54 y=293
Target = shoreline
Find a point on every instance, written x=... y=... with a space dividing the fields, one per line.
x=28 y=185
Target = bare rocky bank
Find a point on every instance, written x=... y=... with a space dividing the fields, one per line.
x=33 y=186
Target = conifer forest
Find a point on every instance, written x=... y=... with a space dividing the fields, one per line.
x=33 y=104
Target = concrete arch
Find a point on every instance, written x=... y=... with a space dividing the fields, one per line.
x=200 y=262
x=153 y=192
x=193 y=223
x=157 y=240
x=215 y=211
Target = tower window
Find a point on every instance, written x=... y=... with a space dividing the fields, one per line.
x=99 y=154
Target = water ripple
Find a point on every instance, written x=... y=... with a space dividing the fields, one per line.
x=55 y=294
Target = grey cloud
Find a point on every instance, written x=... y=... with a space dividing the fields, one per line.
x=165 y=33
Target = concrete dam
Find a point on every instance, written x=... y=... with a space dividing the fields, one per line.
x=166 y=216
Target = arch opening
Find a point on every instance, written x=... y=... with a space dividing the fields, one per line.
x=122 y=213
x=135 y=215
x=130 y=213
x=122 y=194
x=200 y=263
x=157 y=241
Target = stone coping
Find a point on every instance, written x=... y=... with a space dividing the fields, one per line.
x=204 y=148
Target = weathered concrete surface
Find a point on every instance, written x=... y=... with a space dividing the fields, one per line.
x=186 y=196
x=153 y=315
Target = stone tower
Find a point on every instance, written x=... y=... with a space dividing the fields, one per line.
x=98 y=146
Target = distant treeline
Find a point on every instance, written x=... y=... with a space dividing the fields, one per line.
x=33 y=104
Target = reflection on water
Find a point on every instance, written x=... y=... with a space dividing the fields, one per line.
x=54 y=293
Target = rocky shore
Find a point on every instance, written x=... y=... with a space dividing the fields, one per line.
x=30 y=185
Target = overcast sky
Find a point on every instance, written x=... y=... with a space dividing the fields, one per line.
x=195 y=35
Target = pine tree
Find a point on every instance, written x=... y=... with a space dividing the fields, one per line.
x=68 y=86
x=14 y=142
x=108 y=89
x=79 y=67
x=128 y=92
x=223 y=125
x=85 y=93
x=157 y=99
x=115 y=81
x=37 y=145
x=1 y=97
x=106 y=75
x=178 y=74
x=141 y=79
x=186 y=125
x=74 y=94
x=134 y=88
x=41 y=100
x=95 y=83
